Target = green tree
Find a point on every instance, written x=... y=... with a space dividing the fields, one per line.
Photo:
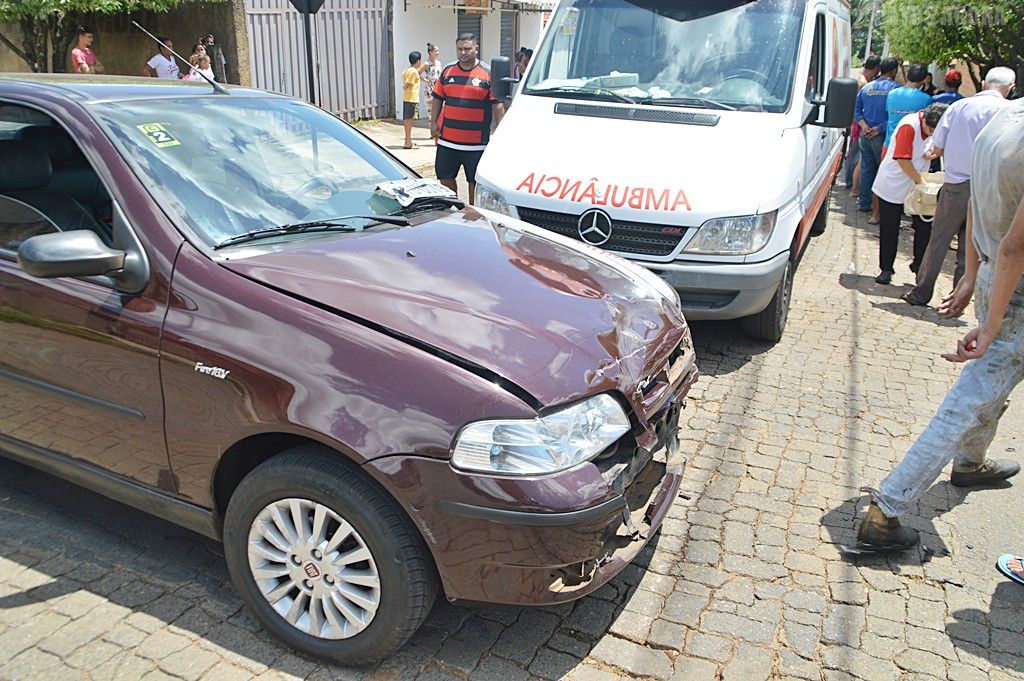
x=860 y=18
x=48 y=26
x=982 y=33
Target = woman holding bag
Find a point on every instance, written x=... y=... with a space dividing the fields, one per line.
x=901 y=169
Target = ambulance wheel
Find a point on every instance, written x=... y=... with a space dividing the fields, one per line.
x=769 y=323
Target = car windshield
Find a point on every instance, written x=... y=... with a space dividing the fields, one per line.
x=225 y=166
x=706 y=53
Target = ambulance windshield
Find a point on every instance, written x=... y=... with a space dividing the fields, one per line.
x=671 y=53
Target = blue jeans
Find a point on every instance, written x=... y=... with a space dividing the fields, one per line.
x=963 y=427
x=851 y=161
x=870 y=159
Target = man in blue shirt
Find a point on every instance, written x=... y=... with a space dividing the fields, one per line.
x=870 y=114
x=953 y=80
x=906 y=100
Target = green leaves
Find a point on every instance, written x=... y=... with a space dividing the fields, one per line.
x=986 y=32
x=16 y=10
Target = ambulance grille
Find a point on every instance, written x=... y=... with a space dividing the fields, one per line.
x=637 y=238
x=636 y=114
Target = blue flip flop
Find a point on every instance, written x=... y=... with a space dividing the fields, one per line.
x=1003 y=565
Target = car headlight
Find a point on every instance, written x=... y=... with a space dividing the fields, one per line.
x=733 y=236
x=490 y=199
x=541 y=445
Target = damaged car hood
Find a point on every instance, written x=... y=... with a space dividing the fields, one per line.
x=554 y=318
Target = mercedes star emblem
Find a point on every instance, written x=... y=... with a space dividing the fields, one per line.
x=595 y=227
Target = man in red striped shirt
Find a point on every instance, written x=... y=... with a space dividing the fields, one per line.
x=463 y=92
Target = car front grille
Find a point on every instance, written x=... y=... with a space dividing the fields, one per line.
x=638 y=238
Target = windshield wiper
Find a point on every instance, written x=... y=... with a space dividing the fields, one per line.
x=686 y=101
x=584 y=91
x=338 y=224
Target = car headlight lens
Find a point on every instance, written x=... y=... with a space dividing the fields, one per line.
x=733 y=236
x=490 y=199
x=542 y=445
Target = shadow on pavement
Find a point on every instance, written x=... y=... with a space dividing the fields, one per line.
x=841 y=523
x=723 y=347
x=865 y=283
x=164 y=574
x=994 y=635
x=925 y=314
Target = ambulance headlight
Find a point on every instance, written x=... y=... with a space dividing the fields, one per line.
x=733 y=236
x=490 y=199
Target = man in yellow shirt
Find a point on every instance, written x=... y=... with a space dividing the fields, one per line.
x=411 y=94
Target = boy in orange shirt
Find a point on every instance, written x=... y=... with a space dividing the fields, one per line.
x=411 y=94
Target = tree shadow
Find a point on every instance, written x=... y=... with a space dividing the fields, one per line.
x=83 y=542
x=994 y=635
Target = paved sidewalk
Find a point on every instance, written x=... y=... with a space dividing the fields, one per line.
x=390 y=134
x=744 y=581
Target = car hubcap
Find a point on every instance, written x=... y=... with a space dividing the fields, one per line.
x=313 y=568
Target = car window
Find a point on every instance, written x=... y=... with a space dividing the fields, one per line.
x=19 y=221
x=43 y=167
x=224 y=166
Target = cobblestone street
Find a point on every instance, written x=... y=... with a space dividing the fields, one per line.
x=745 y=581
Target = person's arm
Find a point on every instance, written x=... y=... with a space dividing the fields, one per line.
x=903 y=151
x=1009 y=269
x=435 y=113
x=907 y=166
x=78 y=64
x=955 y=303
x=499 y=112
x=938 y=144
x=148 y=70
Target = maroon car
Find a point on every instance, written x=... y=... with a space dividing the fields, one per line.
x=232 y=310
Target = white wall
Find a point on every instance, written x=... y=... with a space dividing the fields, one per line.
x=413 y=28
x=530 y=29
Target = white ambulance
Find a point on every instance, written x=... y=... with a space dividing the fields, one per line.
x=697 y=137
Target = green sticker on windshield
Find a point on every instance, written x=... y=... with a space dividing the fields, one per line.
x=158 y=135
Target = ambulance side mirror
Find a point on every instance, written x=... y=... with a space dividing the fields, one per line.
x=501 y=70
x=839 y=103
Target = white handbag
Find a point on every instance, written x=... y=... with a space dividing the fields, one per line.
x=922 y=198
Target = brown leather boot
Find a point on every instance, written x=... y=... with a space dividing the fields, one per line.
x=879 y=533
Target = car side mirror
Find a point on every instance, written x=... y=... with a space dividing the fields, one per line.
x=501 y=70
x=79 y=253
x=839 y=103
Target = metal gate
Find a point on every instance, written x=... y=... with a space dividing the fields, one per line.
x=350 y=50
x=469 y=23
x=510 y=34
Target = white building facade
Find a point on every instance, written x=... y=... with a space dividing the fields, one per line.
x=501 y=27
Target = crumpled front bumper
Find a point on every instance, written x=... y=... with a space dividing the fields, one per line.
x=542 y=540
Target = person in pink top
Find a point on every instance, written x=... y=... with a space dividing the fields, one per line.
x=83 y=59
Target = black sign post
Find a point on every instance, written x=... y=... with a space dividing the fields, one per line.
x=308 y=8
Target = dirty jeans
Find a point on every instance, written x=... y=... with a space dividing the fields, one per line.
x=966 y=421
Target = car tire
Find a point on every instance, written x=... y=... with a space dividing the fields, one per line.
x=770 y=323
x=355 y=612
x=821 y=219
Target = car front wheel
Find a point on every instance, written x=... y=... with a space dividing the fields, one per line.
x=325 y=559
x=770 y=323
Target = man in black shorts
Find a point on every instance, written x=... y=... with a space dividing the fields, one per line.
x=463 y=94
